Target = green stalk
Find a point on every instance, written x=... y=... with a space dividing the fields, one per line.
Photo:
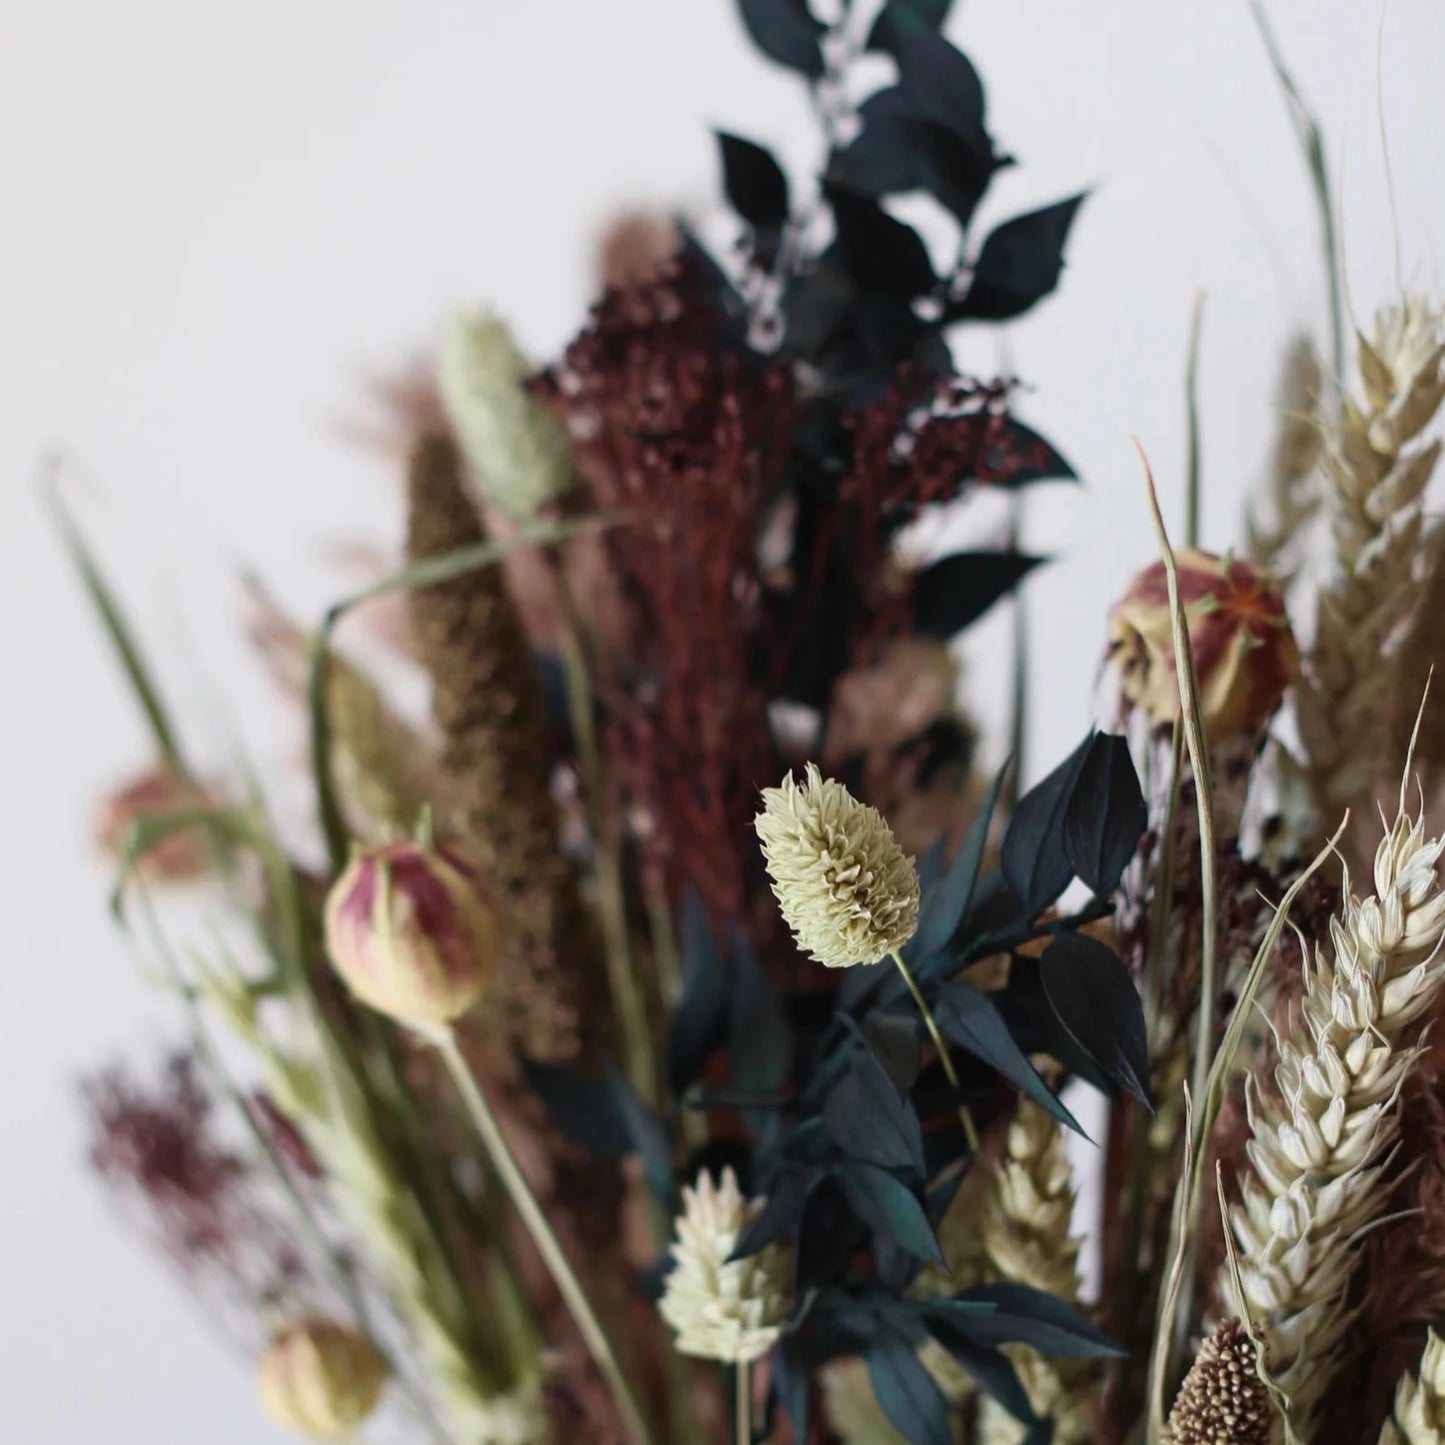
x=970 y=1131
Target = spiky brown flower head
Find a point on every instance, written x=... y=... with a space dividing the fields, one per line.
x=320 y=1379
x=411 y=930
x=1419 y=1414
x=1222 y=1400
x=516 y=447
x=496 y=764
x=1245 y=654
x=721 y=1308
x=1323 y=1135
x=157 y=793
x=843 y=885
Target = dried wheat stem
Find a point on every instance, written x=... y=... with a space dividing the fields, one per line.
x=1377 y=468
x=1419 y=1413
x=1319 y=1140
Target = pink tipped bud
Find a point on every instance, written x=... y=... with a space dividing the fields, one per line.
x=156 y=793
x=1245 y=654
x=410 y=930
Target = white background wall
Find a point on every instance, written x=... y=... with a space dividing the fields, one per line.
x=217 y=216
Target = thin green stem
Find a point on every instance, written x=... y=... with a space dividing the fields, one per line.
x=1193 y=485
x=970 y=1131
x=745 y=1404
x=535 y=1221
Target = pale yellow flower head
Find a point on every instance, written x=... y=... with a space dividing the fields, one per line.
x=725 y=1310
x=320 y=1379
x=845 y=887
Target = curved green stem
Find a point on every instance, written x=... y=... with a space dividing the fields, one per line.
x=970 y=1132
x=525 y=1202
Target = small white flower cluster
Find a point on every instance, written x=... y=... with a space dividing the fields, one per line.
x=1419 y=1414
x=721 y=1309
x=516 y=448
x=1320 y=1139
x=843 y=884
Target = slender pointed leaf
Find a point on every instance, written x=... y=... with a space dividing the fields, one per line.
x=888 y=1206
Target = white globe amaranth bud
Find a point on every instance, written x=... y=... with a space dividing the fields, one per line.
x=723 y=1309
x=321 y=1379
x=411 y=932
x=517 y=449
x=844 y=886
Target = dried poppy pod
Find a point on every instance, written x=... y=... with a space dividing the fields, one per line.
x=1245 y=654
x=320 y=1379
x=410 y=930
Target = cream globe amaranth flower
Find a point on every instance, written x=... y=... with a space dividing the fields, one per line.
x=723 y=1309
x=844 y=886
x=517 y=449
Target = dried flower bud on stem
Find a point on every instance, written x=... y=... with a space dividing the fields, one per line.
x=321 y=1379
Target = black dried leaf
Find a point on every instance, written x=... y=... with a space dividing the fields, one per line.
x=1106 y=815
x=941 y=82
x=969 y=1018
x=828 y=1237
x=896 y=1044
x=884 y=157
x=907 y=1393
x=648 y=1137
x=1091 y=993
x=1020 y=457
x=760 y=1042
x=986 y=1365
x=1020 y=263
x=756 y=186
x=957 y=168
x=699 y=1023
x=902 y=17
x=946 y=902
x=785 y=31
x=581 y=1108
x=889 y=1207
x=1035 y=862
x=1037 y=1030
x=882 y=254
x=779 y=1217
x=958 y=589
x=1025 y=1315
x=870 y=1120
x=792 y=1384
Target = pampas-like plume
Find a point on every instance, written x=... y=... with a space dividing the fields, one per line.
x=490 y=711
x=1024 y=1230
x=1377 y=468
x=1294 y=493
x=1419 y=1415
x=1222 y=1400
x=1319 y=1142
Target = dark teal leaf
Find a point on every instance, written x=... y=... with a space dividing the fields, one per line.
x=958 y=589
x=1020 y=263
x=699 y=1023
x=778 y=1218
x=755 y=184
x=1091 y=993
x=969 y=1018
x=946 y=902
x=760 y=1044
x=897 y=1044
x=908 y=1394
x=1020 y=456
x=957 y=168
x=828 y=1237
x=941 y=83
x=1035 y=862
x=986 y=1365
x=785 y=31
x=1105 y=816
x=882 y=254
x=888 y=1206
x=792 y=1384
x=884 y=158
x=870 y=1120
x=648 y=1137
x=902 y=17
x=582 y=1108
x=1029 y=1316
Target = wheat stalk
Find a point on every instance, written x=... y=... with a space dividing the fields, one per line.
x=1319 y=1141
x=1419 y=1413
x=1377 y=467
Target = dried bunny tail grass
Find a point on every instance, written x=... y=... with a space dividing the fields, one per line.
x=1274 y=524
x=490 y=711
x=1024 y=1229
x=1222 y=1400
x=1320 y=1140
x=1419 y=1414
x=1377 y=468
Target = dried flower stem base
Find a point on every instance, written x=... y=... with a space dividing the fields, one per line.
x=563 y=1276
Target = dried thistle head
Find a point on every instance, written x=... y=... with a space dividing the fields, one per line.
x=1244 y=649
x=1222 y=1400
x=723 y=1309
x=843 y=884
